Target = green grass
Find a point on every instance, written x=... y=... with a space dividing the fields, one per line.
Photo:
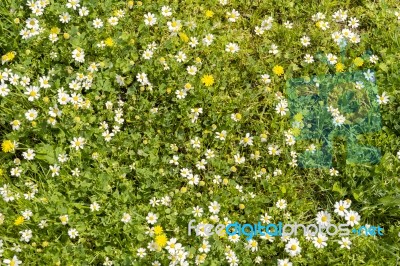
x=135 y=165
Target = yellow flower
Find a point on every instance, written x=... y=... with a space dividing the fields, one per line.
x=109 y=42
x=55 y=30
x=298 y=117
x=8 y=57
x=238 y=116
x=233 y=169
x=183 y=37
x=16 y=21
x=188 y=86
x=339 y=67
x=358 y=61
x=66 y=35
x=208 y=80
x=158 y=230
x=209 y=13
x=198 y=60
x=130 y=4
x=161 y=240
x=278 y=70
x=19 y=220
x=183 y=189
x=241 y=206
x=8 y=146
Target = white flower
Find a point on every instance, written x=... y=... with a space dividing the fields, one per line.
x=353 y=22
x=373 y=59
x=208 y=39
x=74 y=4
x=79 y=55
x=266 y=78
x=29 y=154
x=247 y=140
x=31 y=114
x=214 y=207
x=166 y=11
x=305 y=41
x=12 y=262
x=193 y=42
x=142 y=78
x=252 y=245
x=141 y=252
x=108 y=262
x=98 y=23
x=232 y=48
x=340 y=208
x=293 y=247
x=65 y=17
x=284 y=262
x=383 y=99
x=195 y=143
x=192 y=70
x=352 y=217
x=94 y=206
x=221 y=135
x=320 y=241
x=180 y=57
x=174 y=26
x=126 y=218
x=55 y=170
x=339 y=120
x=259 y=30
x=281 y=204
x=26 y=235
x=33 y=93
x=281 y=108
x=113 y=21
x=333 y=172
x=274 y=150
x=369 y=75
x=232 y=16
x=239 y=159
x=180 y=94
x=332 y=59
x=4 y=90
x=274 y=49
x=73 y=233
x=151 y=218
x=78 y=143
x=345 y=242
x=150 y=19
x=197 y=211
x=288 y=25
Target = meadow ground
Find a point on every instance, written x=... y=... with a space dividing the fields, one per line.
x=122 y=121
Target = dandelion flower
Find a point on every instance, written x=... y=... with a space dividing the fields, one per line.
x=208 y=80
x=278 y=70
